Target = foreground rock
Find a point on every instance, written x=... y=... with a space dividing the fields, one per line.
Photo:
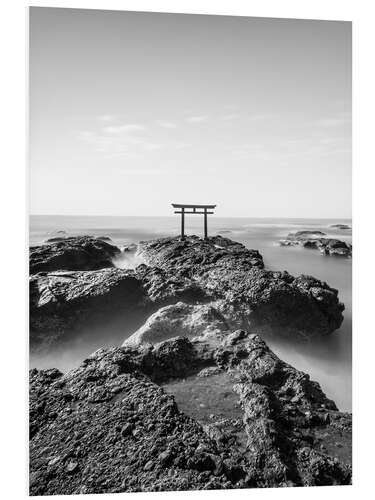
x=313 y=239
x=108 y=427
x=219 y=273
x=63 y=302
x=83 y=253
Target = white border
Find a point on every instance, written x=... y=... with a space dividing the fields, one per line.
x=13 y=244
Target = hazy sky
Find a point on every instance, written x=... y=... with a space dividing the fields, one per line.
x=132 y=111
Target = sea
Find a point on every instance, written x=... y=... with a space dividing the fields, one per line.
x=327 y=360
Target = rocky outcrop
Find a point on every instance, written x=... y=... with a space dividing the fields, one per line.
x=62 y=302
x=340 y=226
x=218 y=272
x=189 y=320
x=72 y=254
x=227 y=271
x=312 y=239
x=108 y=426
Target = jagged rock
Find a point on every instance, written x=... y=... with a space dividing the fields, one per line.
x=313 y=239
x=65 y=301
x=187 y=320
x=106 y=426
x=226 y=270
x=72 y=254
x=218 y=274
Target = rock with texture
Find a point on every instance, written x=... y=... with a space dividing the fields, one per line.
x=227 y=271
x=83 y=253
x=219 y=273
x=108 y=426
x=340 y=226
x=313 y=239
x=63 y=302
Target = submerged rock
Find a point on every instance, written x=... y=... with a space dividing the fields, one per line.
x=107 y=426
x=72 y=254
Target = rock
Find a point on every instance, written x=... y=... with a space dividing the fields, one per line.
x=171 y=450
x=340 y=226
x=205 y=286
x=313 y=239
x=104 y=238
x=208 y=372
x=62 y=302
x=72 y=467
x=73 y=254
x=55 y=239
x=181 y=319
x=227 y=271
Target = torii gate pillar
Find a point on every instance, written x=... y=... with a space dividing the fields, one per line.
x=193 y=209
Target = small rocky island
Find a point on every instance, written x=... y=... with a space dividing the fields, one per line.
x=113 y=424
x=317 y=240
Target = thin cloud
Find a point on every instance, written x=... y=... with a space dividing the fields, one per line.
x=229 y=117
x=119 y=129
x=196 y=119
x=166 y=124
x=106 y=118
x=334 y=121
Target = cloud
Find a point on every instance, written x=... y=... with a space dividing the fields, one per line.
x=106 y=118
x=335 y=121
x=126 y=141
x=166 y=124
x=119 y=129
x=196 y=119
x=230 y=117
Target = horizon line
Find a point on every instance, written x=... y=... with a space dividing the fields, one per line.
x=154 y=216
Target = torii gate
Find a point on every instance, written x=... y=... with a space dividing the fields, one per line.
x=194 y=209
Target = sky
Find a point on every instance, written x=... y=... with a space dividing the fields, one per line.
x=130 y=112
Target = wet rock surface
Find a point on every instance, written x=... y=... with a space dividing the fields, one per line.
x=72 y=254
x=62 y=302
x=217 y=274
x=340 y=226
x=314 y=239
x=227 y=271
x=108 y=426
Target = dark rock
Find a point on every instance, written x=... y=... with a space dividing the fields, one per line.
x=63 y=302
x=227 y=271
x=313 y=239
x=72 y=254
x=171 y=450
x=221 y=283
x=340 y=226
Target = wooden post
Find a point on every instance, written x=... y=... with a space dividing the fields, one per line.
x=182 y=223
x=205 y=223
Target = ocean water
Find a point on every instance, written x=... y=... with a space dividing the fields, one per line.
x=329 y=360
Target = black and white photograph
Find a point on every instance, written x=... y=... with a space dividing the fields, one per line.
x=189 y=252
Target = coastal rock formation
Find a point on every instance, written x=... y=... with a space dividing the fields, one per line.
x=340 y=226
x=313 y=239
x=64 y=301
x=227 y=271
x=189 y=320
x=218 y=272
x=108 y=426
x=83 y=253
